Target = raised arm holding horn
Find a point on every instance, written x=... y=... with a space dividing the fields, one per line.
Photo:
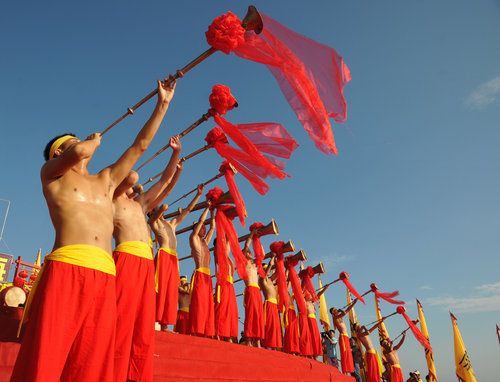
x=346 y=359
x=225 y=33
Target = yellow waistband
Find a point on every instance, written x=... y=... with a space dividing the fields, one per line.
x=136 y=248
x=396 y=365
x=186 y=309
x=311 y=315
x=271 y=300
x=371 y=351
x=84 y=255
x=204 y=270
x=253 y=285
x=291 y=307
x=344 y=334
x=230 y=278
x=172 y=252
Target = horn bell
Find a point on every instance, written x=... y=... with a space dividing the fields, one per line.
x=253 y=20
x=319 y=268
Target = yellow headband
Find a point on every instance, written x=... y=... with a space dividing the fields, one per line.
x=58 y=144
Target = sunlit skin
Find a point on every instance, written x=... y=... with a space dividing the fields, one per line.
x=266 y=283
x=251 y=267
x=184 y=294
x=80 y=204
x=199 y=239
x=130 y=209
x=338 y=317
x=363 y=334
x=391 y=352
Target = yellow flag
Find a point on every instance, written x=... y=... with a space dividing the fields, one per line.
x=323 y=310
x=352 y=321
x=428 y=355
x=38 y=257
x=463 y=366
x=382 y=331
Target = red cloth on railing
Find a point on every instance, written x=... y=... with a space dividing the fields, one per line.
x=311 y=75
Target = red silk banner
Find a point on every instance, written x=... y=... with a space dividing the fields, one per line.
x=344 y=276
x=386 y=296
x=296 y=288
x=414 y=329
x=235 y=193
x=306 y=275
x=277 y=248
x=311 y=75
x=257 y=248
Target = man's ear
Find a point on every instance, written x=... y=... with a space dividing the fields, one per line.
x=57 y=152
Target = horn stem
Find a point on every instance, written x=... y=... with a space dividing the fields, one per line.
x=202 y=119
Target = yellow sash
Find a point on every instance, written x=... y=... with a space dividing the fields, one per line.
x=186 y=309
x=82 y=255
x=253 y=285
x=201 y=270
x=136 y=248
x=272 y=300
x=396 y=365
x=230 y=278
x=311 y=316
x=371 y=351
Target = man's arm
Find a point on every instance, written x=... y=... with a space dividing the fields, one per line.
x=149 y=197
x=170 y=186
x=185 y=212
x=323 y=290
x=351 y=305
x=64 y=161
x=248 y=241
x=120 y=169
x=201 y=221
x=400 y=342
x=211 y=231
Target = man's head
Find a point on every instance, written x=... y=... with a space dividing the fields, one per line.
x=415 y=375
x=203 y=231
x=184 y=282
x=352 y=341
x=58 y=145
x=331 y=333
x=386 y=344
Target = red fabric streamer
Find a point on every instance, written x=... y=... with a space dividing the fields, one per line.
x=257 y=248
x=221 y=99
x=277 y=248
x=312 y=77
x=344 y=276
x=386 y=296
x=415 y=330
x=240 y=160
x=296 y=288
x=225 y=33
x=306 y=275
x=263 y=165
x=233 y=189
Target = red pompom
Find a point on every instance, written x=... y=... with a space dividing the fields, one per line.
x=225 y=33
x=400 y=309
x=214 y=194
x=256 y=225
x=222 y=100
x=291 y=262
x=310 y=271
x=277 y=247
x=216 y=135
x=344 y=276
x=225 y=166
x=373 y=287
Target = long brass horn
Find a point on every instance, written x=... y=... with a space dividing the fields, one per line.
x=225 y=198
x=319 y=268
x=251 y=22
x=288 y=247
x=299 y=256
x=230 y=213
x=270 y=229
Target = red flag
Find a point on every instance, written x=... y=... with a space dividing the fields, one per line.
x=277 y=248
x=414 y=329
x=344 y=276
x=312 y=77
x=233 y=189
x=257 y=248
x=386 y=296
x=295 y=282
x=306 y=275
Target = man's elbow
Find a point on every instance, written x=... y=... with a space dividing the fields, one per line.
x=141 y=145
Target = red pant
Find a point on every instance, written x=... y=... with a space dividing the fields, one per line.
x=182 y=324
x=315 y=337
x=226 y=310
x=291 y=338
x=168 y=283
x=254 y=313
x=305 y=342
x=71 y=332
x=371 y=367
x=345 y=354
x=396 y=373
x=272 y=330
x=201 y=306
x=135 y=319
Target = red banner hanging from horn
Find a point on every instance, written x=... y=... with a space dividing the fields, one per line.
x=344 y=276
x=386 y=296
x=414 y=329
x=277 y=247
x=257 y=248
x=233 y=189
x=225 y=229
x=311 y=75
x=306 y=275
x=295 y=282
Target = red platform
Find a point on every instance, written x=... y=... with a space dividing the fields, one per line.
x=187 y=358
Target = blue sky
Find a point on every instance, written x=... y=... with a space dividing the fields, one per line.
x=411 y=201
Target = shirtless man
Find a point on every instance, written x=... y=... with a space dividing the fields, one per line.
x=71 y=330
x=167 y=268
x=371 y=362
x=135 y=280
x=346 y=360
x=254 y=312
x=226 y=308
x=317 y=346
x=201 y=307
x=182 y=323
x=272 y=327
x=391 y=355
x=291 y=337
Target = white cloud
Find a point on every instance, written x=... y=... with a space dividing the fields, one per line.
x=426 y=287
x=487 y=93
x=486 y=299
x=335 y=260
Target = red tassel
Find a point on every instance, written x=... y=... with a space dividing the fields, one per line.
x=235 y=193
x=257 y=248
x=297 y=290
x=414 y=329
x=225 y=33
x=306 y=275
x=277 y=247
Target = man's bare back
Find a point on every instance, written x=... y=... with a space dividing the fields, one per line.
x=198 y=241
